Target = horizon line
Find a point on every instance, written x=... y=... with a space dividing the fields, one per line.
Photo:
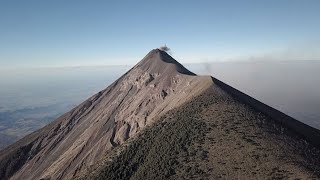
x=131 y=65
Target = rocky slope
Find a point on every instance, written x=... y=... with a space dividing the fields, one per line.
x=84 y=135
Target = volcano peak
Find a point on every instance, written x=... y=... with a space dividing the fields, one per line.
x=159 y=61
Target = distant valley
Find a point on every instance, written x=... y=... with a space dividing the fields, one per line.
x=31 y=98
x=18 y=123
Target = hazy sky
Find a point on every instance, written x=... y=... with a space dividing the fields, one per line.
x=74 y=32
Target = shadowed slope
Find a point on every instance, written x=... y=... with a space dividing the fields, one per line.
x=214 y=136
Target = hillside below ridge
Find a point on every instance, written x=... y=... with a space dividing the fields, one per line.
x=213 y=136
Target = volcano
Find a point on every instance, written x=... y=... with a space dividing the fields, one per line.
x=159 y=120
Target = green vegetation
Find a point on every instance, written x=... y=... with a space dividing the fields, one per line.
x=156 y=152
x=211 y=137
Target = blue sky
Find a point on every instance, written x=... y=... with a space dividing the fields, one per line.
x=79 y=33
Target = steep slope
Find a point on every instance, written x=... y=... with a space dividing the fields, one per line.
x=213 y=136
x=84 y=135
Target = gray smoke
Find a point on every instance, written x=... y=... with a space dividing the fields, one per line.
x=165 y=48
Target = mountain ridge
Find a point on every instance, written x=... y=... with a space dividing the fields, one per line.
x=213 y=136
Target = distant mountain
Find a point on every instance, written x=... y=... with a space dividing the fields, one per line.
x=161 y=121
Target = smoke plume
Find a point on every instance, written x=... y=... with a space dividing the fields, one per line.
x=165 y=48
